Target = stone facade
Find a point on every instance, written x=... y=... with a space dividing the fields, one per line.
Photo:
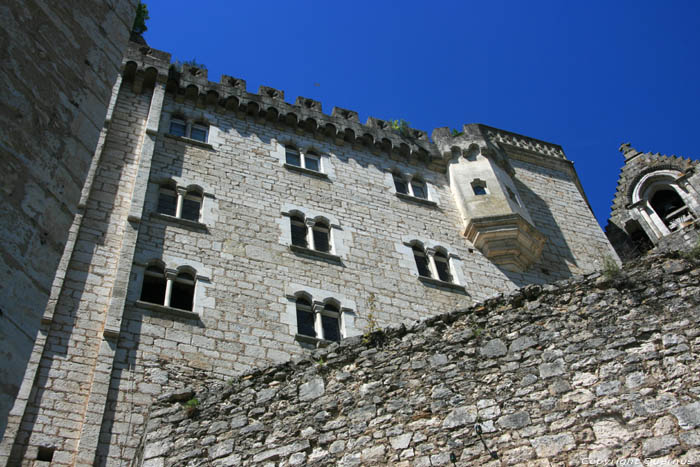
x=203 y=189
x=60 y=63
x=657 y=203
x=600 y=371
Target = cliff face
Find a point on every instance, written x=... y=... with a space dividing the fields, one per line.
x=590 y=369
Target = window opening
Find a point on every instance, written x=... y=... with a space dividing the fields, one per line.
x=312 y=162
x=154 y=285
x=330 y=323
x=400 y=184
x=177 y=127
x=479 y=190
x=292 y=156
x=321 y=234
x=421 y=261
x=670 y=207
x=418 y=188
x=512 y=196
x=199 y=132
x=442 y=265
x=191 y=205
x=298 y=231
x=305 y=318
x=182 y=294
x=45 y=453
x=167 y=201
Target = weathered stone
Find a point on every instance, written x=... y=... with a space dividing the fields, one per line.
x=312 y=389
x=688 y=415
x=658 y=445
x=552 y=445
x=494 y=348
x=282 y=451
x=459 y=417
x=514 y=421
x=548 y=370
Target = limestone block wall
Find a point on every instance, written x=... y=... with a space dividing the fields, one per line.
x=584 y=372
x=61 y=62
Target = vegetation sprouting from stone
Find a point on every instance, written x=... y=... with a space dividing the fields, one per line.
x=139 y=26
x=400 y=126
x=611 y=270
x=456 y=133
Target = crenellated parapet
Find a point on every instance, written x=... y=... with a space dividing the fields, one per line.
x=189 y=83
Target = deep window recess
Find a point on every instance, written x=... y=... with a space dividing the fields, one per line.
x=176 y=291
x=419 y=189
x=330 y=322
x=400 y=184
x=321 y=234
x=307 y=160
x=479 y=190
x=191 y=206
x=182 y=294
x=154 y=285
x=198 y=131
x=512 y=196
x=178 y=127
x=298 y=226
x=443 y=266
x=305 y=318
x=292 y=156
x=180 y=203
x=167 y=200
x=421 y=261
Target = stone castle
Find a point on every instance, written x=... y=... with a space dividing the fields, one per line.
x=165 y=217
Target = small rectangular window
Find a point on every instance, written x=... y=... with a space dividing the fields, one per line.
x=443 y=269
x=400 y=185
x=312 y=163
x=190 y=209
x=293 y=157
x=321 y=242
x=182 y=295
x=479 y=190
x=419 y=190
x=305 y=322
x=199 y=133
x=153 y=289
x=167 y=202
x=299 y=234
x=422 y=264
x=177 y=127
x=331 y=328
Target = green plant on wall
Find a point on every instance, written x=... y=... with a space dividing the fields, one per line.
x=139 y=26
x=610 y=268
x=456 y=133
x=401 y=126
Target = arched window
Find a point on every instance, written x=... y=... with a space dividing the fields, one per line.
x=330 y=322
x=668 y=205
x=154 y=284
x=182 y=294
x=421 y=260
x=293 y=157
x=305 y=317
x=191 y=205
x=321 y=234
x=418 y=188
x=167 y=199
x=298 y=226
x=442 y=265
x=400 y=183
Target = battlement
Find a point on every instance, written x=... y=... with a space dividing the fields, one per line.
x=191 y=83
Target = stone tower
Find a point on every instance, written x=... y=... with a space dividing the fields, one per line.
x=224 y=229
x=657 y=203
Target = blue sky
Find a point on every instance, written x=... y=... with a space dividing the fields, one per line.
x=585 y=75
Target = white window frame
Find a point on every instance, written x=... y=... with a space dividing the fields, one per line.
x=319 y=299
x=189 y=124
x=429 y=248
x=337 y=236
x=181 y=193
x=430 y=196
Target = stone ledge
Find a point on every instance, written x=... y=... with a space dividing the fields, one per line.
x=178 y=220
x=319 y=254
x=167 y=310
x=442 y=284
x=417 y=200
x=190 y=141
x=305 y=171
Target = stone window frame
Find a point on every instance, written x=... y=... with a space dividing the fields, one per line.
x=325 y=168
x=337 y=236
x=478 y=183
x=190 y=123
x=207 y=209
x=430 y=248
x=172 y=267
x=641 y=209
x=409 y=180
x=319 y=299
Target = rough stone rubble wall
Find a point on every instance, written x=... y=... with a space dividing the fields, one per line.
x=580 y=372
x=60 y=62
